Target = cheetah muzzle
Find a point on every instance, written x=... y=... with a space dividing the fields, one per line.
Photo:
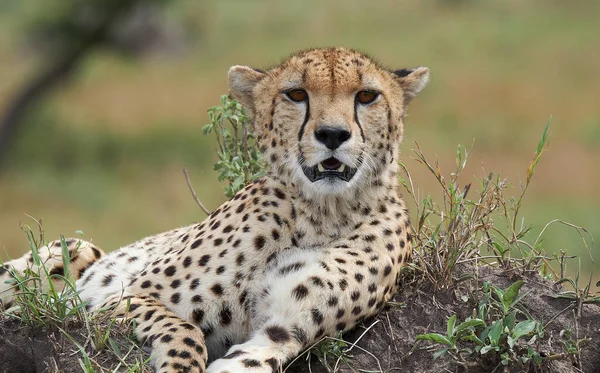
x=309 y=250
x=329 y=169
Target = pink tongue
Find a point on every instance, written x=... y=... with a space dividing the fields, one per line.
x=331 y=164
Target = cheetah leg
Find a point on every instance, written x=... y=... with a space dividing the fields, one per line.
x=177 y=346
x=82 y=255
x=301 y=302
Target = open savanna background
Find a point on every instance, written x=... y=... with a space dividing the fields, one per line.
x=104 y=152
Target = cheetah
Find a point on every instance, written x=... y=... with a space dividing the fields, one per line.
x=308 y=250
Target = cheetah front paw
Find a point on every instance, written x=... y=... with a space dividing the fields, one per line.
x=244 y=360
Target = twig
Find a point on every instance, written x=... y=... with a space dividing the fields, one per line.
x=189 y=183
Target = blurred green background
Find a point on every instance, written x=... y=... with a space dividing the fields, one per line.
x=104 y=151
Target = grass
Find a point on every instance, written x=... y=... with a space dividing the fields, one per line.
x=52 y=309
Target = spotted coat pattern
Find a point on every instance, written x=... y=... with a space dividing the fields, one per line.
x=287 y=260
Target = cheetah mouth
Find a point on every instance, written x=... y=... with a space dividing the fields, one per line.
x=329 y=169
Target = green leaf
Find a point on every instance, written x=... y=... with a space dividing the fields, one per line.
x=509 y=320
x=510 y=294
x=434 y=337
x=510 y=341
x=450 y=327
x=472 y=338
x=495 y=332
x=440 y=352
x=523 y=328
x=485 y=349
x=473 y=323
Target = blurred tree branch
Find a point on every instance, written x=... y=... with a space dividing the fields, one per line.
x=76 y=28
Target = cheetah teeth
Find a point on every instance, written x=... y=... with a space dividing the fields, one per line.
x=322 y=169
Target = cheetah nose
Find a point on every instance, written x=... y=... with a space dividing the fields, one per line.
x=332 y=137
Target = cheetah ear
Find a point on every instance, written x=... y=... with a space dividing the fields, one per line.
x=242 y=80
x=412 y=81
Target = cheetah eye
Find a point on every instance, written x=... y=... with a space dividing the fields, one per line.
x=366 y=97
x=297 y=95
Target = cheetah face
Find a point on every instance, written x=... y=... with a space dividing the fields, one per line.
x=329 y=120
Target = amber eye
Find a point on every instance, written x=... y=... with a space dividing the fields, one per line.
x=366 y=97
x=297 y=95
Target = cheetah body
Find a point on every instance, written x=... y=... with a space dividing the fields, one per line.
x=295 y=256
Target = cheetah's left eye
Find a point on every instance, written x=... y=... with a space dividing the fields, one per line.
x=366 y=97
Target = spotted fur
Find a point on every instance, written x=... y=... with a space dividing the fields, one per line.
x=287 y=260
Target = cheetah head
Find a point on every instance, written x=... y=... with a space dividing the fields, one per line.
x=329 y=120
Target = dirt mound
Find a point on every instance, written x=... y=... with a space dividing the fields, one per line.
x=385 y=343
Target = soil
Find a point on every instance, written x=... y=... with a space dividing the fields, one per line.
x=385 y=343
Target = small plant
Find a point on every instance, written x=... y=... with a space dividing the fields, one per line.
x=464 y=332
x=492 y=331
x=240 y=161
x=335 y=348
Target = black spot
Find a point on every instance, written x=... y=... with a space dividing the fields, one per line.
x=175 y=298
x=340 y=326
x=149 y=314
x=204 y=260
x=187 y=261
x=240 y=259
x=251 y=363
x=300 y=292
x=278 y=193
x=97 y=253
x=217 y=289
x=300 y=336
x=275 y=234
x=170 y=271
x=197 y=298
x=343 y=284
x=390 y=246
x=355 y=295
x=387 y=270
x=195 y=283
x=107 y=279
x=166 y=338
x=175 y=284
x=198 y=316
x=243 y=296
x=317 y=281
x=226 y=316
x=228 y=229
x=196 y=243
x=234 y=354
x=317 y=316
x=218 y=241
x=340 y=313
x=356 y=310
x=277 y=334
x=220 y=270
x=272 y=362
x=259 y=242
x=59 y=271
x=369 y=237
x=290 y=268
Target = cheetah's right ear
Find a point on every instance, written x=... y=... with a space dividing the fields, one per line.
x=242 y=80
